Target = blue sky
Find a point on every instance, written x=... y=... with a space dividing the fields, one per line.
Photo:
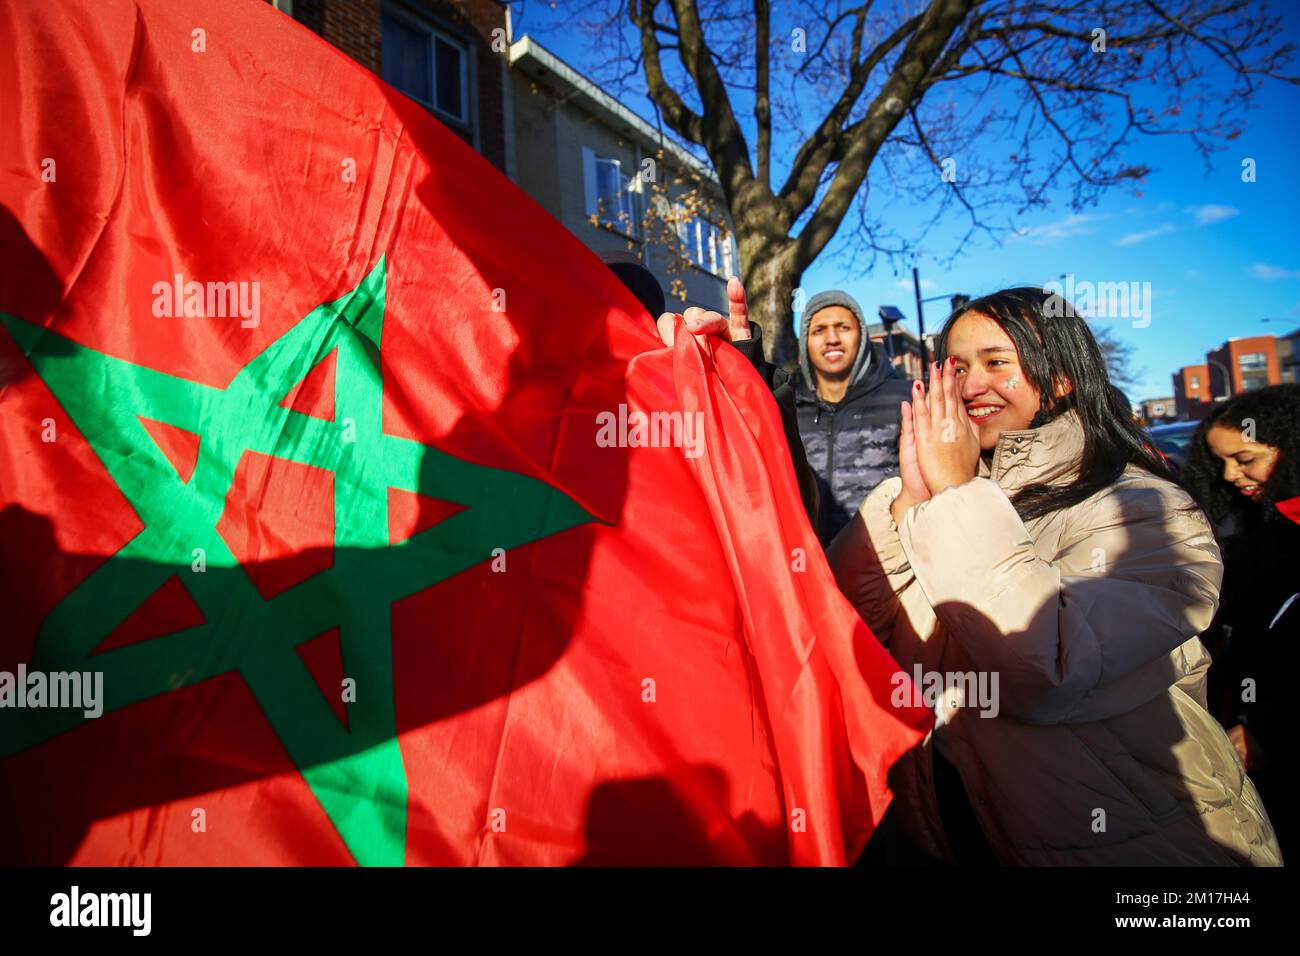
x=1219 y=253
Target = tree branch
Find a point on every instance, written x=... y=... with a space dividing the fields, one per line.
x=721 y=134
x=684 y=121
x=938 y=25
x=818 y=150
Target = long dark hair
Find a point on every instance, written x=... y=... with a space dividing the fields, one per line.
x=1275 y=412
x=1054 y=343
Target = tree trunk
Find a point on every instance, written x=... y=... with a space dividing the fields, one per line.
x=767 y=270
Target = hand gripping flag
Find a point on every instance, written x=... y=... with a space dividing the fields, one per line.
x=330 y=477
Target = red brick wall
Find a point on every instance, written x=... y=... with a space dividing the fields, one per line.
x=474 y=20
x=1256 y=343
x=1192 y=402
x=351 y=25
x=354 y=27
x=1202 y=375
x=1229 y=354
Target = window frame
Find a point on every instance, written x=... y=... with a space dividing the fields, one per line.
x=629 y=187
x=435 y=32
x=716 y=257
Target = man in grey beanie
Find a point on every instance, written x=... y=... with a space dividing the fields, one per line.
x=846 y=400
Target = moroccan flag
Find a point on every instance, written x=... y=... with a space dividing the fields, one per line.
x=350 y=510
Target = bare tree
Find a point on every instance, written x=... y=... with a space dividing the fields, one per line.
x=1119 y=357
x=986 y=108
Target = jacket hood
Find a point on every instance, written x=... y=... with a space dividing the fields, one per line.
x=876 y=370
x=861 y=361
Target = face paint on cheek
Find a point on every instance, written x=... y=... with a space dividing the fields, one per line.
x=1012 y=383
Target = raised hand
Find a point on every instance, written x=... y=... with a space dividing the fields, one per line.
x=733 y=327
x=947 y=441
x=915 y=489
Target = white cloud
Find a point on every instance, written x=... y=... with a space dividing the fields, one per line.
x=1146 y=209
x=1264 y=271
x=906 y=285
x=1212 y=213
x=1077 y=224
x=1133 y=238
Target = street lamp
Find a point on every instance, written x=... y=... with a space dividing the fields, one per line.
x=1227 y=381
x=890 y=316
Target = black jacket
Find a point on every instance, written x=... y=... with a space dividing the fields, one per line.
x=1255 y=637
x=852 y=445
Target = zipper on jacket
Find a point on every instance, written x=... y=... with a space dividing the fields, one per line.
x=830 y=455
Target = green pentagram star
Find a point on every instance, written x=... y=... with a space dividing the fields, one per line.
x=356 y=772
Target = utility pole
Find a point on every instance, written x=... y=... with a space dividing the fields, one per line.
x=957 y=300
x=920 y=323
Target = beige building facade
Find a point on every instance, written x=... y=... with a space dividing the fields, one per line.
x=598 y=168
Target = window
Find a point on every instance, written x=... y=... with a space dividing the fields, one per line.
x=1196 y=383
x=426 y=64
x=1253 y=360
x=706 y=246
x=612 y=196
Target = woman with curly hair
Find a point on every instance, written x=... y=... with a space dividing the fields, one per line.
x=1243 y=468
x=1244 y=460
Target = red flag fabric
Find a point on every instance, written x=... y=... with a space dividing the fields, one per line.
x=1290 y=508
x=361 y=502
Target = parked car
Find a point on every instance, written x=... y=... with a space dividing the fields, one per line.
x=1174 y=441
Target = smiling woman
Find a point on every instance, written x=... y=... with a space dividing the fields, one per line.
x=1023 y=358
x=993 y=388
x=1243 y=466
x=1034 y=534
x=1245 y=457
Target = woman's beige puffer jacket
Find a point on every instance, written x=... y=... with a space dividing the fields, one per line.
x=1102 y=750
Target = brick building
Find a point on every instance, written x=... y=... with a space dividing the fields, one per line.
x=1238 y=365
x=563 y=140
x=902 y=347
x=446 y=54
x=1288 y=356
x=1192 y=392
